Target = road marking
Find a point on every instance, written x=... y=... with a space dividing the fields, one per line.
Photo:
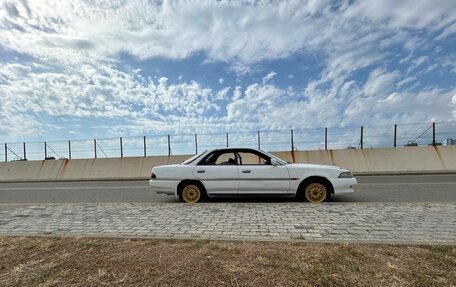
x=407 y=183
x=77 y=187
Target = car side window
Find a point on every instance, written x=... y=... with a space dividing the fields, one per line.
x=227 y=158
x=248 y=158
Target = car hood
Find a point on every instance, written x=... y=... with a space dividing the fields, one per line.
x=315 y=166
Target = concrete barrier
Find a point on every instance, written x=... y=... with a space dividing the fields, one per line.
x=403 y=159
x=372 y=160
x=30 y=170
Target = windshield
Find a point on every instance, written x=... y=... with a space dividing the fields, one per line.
x=193 y=158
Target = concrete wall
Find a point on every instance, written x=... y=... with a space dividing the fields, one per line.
x=390 y=160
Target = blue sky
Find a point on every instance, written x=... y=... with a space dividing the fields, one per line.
x=85 y=69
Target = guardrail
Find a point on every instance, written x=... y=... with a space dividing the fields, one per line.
x=272 y=140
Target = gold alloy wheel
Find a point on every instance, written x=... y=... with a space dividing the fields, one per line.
x=191 y=193
x=316 y=192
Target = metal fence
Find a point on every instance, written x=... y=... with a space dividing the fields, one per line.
x=441 y=133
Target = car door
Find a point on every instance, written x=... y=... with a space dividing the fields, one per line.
x=258 y=176
x=219 y=173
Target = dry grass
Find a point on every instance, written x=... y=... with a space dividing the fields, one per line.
x=28 y=261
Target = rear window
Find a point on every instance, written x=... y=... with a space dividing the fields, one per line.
x=193 y=158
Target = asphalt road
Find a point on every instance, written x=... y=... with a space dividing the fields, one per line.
x=401 y=188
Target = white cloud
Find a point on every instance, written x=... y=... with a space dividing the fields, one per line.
x=237 y=32
x=407 y=13
x=347 y=104
x=100 y=92
x=74 y=46
x=341 y=65
x=406 y=81
x=276 y=108
x=421 y=107
x=146 y=105
x=317 y=6
x=237 y=93
x=450 y=30
x=222 y=94
x=258 y=104
x=381 y=82
x=420 y=60
x=453 y=101
x=416 y=62
x=269 y=77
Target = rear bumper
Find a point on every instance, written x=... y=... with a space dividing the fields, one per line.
x=343 y=185
x=164 y=186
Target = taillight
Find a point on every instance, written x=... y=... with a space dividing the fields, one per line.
x=153 y=176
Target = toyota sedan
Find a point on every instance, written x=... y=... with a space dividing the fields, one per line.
x=242 y=171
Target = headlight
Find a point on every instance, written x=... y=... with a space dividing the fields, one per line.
x=346 y=174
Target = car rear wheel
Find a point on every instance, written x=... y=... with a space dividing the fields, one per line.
x=192 y=192
x=315 y=192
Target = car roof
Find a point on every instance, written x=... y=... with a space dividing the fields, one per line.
x=234 y=148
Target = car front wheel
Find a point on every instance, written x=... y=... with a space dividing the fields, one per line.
x=315 y=192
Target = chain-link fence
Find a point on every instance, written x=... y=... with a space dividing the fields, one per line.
x=353 y=137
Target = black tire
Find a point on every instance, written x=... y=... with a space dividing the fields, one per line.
x=192 y=192
x=314 y=191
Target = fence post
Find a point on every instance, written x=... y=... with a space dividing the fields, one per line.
x=196 y=144
x=6 y=152
x=361 y=141
x=69 y=149
x=145 y=148
x=95 y=147
x=326 y=138
x=259 y=142
x=45 y=150
x=292 y=140
x=169 y=146
x=25 y=153
x=121 y=147
x=395 y=135
x=433 y=134
x=226 y=139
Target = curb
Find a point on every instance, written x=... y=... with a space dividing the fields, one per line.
x=234 y=239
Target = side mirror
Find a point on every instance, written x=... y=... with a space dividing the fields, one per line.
x=274 y=162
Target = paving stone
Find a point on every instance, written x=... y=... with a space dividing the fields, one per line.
x=384 y=222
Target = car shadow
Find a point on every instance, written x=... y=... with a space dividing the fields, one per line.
x=273 y=198
x=252 y=198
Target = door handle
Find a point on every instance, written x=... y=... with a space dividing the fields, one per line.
x=246 y=171
x=201 y=171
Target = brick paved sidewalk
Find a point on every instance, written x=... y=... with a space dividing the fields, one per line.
x=360 y=222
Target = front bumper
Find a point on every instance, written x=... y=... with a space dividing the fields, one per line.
x=343 y=185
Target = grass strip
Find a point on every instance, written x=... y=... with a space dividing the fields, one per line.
x=44 y=261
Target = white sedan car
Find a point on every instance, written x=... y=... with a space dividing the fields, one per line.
x=236 y=171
